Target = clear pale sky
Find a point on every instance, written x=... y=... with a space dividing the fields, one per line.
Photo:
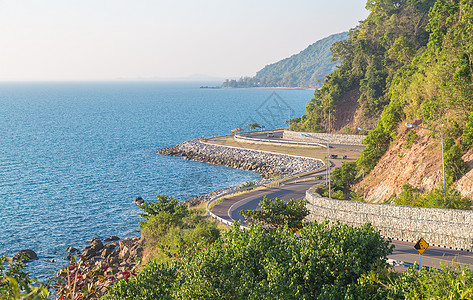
x=152 y=39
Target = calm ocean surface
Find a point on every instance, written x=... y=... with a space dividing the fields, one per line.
x=73 y=156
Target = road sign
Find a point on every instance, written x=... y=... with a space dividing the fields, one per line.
x=421 y=246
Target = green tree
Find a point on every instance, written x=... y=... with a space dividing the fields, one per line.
x=455 y=167
x=165 y=203
x=467 y=138
x=277 y=213
x=253 y=126
x=345 y=176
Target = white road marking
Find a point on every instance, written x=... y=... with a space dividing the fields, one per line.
x=254 y=197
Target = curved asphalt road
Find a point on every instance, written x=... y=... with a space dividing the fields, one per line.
x=296 y=189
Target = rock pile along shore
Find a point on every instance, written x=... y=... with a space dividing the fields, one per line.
x=268 y=165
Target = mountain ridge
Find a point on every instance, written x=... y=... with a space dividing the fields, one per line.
x=306 y=69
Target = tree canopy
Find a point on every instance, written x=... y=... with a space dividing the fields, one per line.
x=277 y=213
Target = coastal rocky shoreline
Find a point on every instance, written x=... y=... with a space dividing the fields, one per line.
x=268 y=165
x=100 y=264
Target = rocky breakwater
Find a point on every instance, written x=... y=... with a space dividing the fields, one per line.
x=268 y=165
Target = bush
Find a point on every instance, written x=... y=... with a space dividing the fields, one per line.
x=177 y=232
x=274 y=264
x=155 y=281
x=277 y=213
x=447 y=283
x=15 y=283
x=467 y=137
x=324 y=262
x=455 y=167
x=412 y=196
x=410 y=139
x=164 y=204
x=247 y=184
x=345 y=176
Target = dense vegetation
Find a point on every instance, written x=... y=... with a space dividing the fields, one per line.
x=392 y=35
x=323 y=263
x=191 y=258
x=306 y=69
x=436 y=88
x=16 y=283
x=409 y=61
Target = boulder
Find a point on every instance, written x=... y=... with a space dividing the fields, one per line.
x=139 y=201
x=92 y=250
x=73 y=250
x=112 y=237
x=107 y=250
x=25 y=255
x=129 y=249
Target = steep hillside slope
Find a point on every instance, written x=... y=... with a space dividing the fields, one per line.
x=419 y=164
x=437 y=88
x=305 y=69
x=392 y=35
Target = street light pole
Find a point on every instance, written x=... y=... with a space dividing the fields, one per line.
x=410 y=125
x=327 y=164
x=362 y=129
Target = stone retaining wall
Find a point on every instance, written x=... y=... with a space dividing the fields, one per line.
x=440 y=227
x=267 y=164
x=345 y=139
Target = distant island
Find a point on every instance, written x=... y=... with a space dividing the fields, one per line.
x=306 y=69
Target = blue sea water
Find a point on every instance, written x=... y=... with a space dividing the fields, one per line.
x=73 y=156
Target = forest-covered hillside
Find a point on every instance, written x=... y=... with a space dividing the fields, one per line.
x=306 y=69
x=409 y=61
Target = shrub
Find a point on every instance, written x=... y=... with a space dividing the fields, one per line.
x=410 y=196
x=155 y=281
x=467 y=137
x=410 y=139
x=323 y=263
x=247 y=184
x=15 y=283
x=345 y=176
x=455 y=167
x=277 y=212
x=164 y=203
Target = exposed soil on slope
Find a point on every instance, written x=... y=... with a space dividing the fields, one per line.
x=349 y=115
x=465 y=184
x=420 y=165
x=346 y=109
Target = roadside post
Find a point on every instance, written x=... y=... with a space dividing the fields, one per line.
x=421 y=246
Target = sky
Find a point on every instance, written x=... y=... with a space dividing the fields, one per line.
x=50 y=40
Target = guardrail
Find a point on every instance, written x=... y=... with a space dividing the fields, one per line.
x=279 y=181
x=223 y=194
x=238 y=136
